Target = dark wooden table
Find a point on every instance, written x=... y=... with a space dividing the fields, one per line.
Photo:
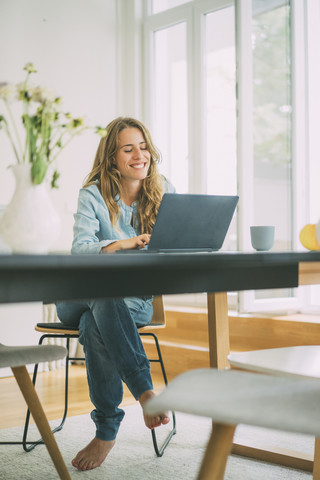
x=28 y=278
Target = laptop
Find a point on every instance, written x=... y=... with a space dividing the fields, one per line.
x=190 y=223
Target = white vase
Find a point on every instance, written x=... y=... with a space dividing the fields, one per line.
x=30 y=223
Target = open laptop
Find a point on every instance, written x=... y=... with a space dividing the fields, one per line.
x=190 y=223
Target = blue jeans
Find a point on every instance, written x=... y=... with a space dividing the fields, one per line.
x=114 y=353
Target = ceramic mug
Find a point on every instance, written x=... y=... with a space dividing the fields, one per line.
x=262 y=237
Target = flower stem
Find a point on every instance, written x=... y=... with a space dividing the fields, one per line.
x=16 y=133
x=11 y=141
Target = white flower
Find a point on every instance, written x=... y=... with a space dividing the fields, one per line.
x=42 y=95
x=30 y=68
x=101 y=131
x=8 y=92
x=23 y=92
x=75 y=123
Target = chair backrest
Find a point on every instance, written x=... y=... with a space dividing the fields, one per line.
x=159 y=317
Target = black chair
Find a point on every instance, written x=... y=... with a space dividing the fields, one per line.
x=56 y=330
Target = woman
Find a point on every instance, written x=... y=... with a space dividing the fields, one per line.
x=117 y=208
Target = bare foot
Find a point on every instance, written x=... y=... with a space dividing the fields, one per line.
x=93 y=454
x=152 y=421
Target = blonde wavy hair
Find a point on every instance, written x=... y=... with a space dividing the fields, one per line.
x=107 y=177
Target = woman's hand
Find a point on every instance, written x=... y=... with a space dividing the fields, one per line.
x=128 y=243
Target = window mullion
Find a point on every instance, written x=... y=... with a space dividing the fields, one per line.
x=196 y=102
x=244 y=133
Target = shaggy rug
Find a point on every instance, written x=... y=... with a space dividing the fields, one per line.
x=133 y=457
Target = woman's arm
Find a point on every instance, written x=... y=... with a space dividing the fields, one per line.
x=128 y=243
x=91 y=212
x=93 y=230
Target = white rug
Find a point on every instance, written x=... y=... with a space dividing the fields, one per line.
x=133 y=457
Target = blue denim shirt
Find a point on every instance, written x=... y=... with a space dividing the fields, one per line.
x=93 y=229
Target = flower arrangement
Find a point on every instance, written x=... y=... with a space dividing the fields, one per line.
x=48 y=130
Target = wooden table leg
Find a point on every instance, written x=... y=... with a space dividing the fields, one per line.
x=316 y=461
x=218 y=328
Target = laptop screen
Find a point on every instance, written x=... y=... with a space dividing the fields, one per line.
x=192 y=222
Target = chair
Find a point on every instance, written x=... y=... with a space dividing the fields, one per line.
x=56 y=330
x=298 y=361
x=231 y=397
x=17 y=358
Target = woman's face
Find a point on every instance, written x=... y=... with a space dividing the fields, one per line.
x=132 y=157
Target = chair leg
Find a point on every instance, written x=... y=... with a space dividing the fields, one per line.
x=28 y=446
x=160 y=450
x=216 y=455
x=316 y=460
x=35 y=407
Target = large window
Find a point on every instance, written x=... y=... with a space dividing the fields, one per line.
x=226 y=99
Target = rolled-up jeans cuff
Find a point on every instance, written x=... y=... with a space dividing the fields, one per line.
x=106 y=430
x=139 y=382
x=107 y=434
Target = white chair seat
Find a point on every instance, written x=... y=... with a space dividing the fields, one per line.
x=11 y=356
x=297 y=361
x=232 y=397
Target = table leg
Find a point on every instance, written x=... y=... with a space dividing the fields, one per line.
x=218 y=328
x=316 y=461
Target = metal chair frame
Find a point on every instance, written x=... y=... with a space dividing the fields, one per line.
x=159 y=452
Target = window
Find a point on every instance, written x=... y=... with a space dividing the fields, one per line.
x=170 y=107
x=191 y=78
x=226 y=98
x=272 y=125
x=220 y=109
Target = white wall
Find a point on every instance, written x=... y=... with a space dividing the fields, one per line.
x=73 y=44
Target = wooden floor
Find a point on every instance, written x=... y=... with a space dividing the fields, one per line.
x=50 y=388
x=184 y=346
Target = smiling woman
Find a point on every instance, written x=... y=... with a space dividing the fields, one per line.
x=117 y=209
x=127 y=143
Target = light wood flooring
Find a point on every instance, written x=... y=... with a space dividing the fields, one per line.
x=184 y=346
x=50 y=388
